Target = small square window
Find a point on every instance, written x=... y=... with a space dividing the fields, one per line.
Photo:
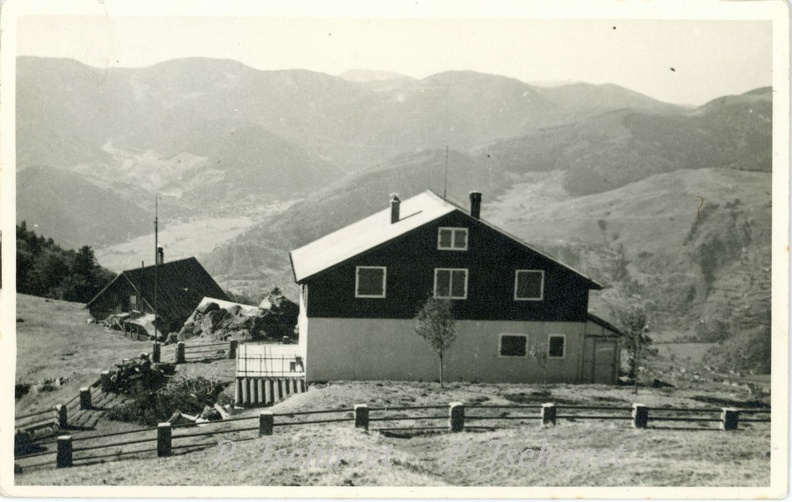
x=370 y=282
x=529 y=284
x=451 y=283
x=555 y=346
x=452 y=239
x=513 y=345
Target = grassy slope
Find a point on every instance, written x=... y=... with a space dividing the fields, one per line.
x=55 y=341
x=699 y=456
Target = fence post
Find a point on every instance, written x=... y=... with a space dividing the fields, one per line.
x=232 y=348
x=548 y=414
x=64 y=455
x=156 y=353
x=266 y=423
x=106 y=381
x=180 y=353
x=730 y=417
x=640 y=415
x=456 y=417
x=63 y=418
x=85 y=398
x=164 y=439
x=361 y=416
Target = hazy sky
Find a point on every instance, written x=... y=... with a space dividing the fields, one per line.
x=686 y=62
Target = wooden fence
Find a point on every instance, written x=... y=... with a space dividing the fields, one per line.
x=263 y=391
x=257 y=365
x=57 y=418
x=70 y=450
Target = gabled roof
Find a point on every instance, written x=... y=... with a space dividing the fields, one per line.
x=377 y=229
x=181 y=285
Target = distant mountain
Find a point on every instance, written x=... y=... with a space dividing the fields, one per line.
x=600 y=98
x=73 y=211
x=68 y=112
x=217 y=136
x=356 y=75
x=619 y=147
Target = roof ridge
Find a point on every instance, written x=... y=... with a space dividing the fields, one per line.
x=165 y=264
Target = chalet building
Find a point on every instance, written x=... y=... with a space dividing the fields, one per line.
x=361 y=286
x=181 y=285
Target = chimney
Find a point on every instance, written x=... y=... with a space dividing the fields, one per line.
x=475 y=204
x=160 y=255
x=395 y=202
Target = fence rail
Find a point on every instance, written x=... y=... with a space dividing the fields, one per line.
x=547 y=416
x=257 y=365
x=202 y=351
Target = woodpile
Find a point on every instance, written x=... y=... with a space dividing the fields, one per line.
x=241 y=322
x=131 y=372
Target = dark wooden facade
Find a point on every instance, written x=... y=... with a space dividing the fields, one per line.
x=491 y=260
x=181 y=285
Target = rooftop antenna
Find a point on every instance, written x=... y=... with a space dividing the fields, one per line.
x=445 y=182
x=156 y=257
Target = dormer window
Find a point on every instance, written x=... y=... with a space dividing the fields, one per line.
x=452 y=239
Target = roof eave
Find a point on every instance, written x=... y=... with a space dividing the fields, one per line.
x=294 y=271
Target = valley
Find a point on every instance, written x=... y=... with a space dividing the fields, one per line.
x=664 y=205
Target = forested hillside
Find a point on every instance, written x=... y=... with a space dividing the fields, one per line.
x=46 y=269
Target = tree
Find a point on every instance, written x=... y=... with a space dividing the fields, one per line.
x=539 y=354
x=634 y=327
x=434 y=322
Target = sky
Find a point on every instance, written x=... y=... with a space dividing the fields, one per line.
x=680 y=61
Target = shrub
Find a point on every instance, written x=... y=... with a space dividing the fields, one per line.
x=151 y=406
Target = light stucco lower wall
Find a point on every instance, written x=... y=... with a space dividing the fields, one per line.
x=389 y=349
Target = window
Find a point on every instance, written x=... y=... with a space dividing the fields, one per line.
x=513 y=345
x=370 y=282
x=555 y=346
x=451 y=283
x=455 y=239
x=528 y=284
x=132 y=302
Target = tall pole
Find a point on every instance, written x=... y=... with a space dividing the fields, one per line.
x=156 y=258
x=445 y=182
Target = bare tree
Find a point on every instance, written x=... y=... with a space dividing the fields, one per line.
x=435 y=323
x=634 y=327
x=539 y=354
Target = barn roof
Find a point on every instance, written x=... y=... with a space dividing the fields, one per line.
x=181 y=285
x=377 y=229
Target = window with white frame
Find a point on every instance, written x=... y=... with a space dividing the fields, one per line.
x=528 y=284
x=370 y=282
x=513 y=346
x=452 y=239
x=556 y=346
x=450 y=283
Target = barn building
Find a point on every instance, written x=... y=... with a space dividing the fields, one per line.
x=181 y=285
x=361 y=286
